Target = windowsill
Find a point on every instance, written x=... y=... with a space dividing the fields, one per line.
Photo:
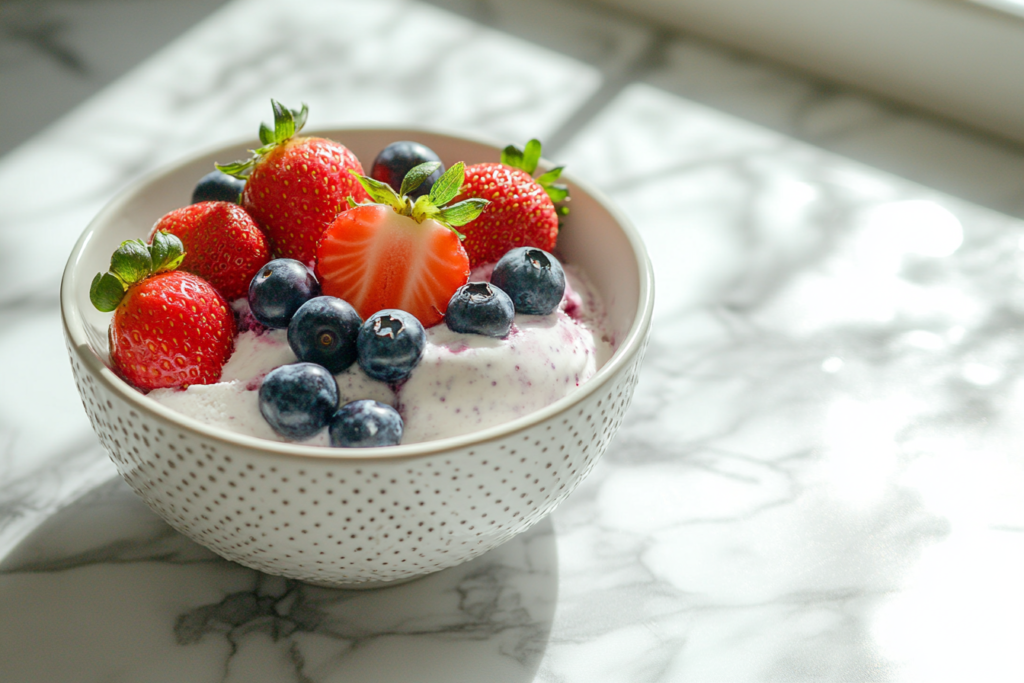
x=958 y=58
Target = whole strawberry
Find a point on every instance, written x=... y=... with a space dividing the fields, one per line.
x=295 y=186
x=222 y=244
x=522 y=211
x=170 y=328
x=399 y=253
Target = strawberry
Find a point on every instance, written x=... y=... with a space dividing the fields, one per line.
x=295 y=186
x=399 y=253
x=222 y=244
x=170 y=328
x=522 y=211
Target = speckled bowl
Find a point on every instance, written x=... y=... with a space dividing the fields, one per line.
x=357 y=517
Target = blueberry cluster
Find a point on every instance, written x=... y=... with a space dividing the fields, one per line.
x=525 y=280
x=327 y=336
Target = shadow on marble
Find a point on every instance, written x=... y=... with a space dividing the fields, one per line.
x=105 y=590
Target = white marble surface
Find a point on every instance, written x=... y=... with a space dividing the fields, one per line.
x=821 y=477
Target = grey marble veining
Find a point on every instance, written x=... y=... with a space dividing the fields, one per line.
x=820 y=478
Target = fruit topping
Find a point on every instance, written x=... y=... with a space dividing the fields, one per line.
x=222 y=244
x=365 y=424
x=399 y=253
x=170 y=328
x=480 y=308
x=297 y=400
x=324 y=331
x=396 y=160
x=295 y=186
x=217 y=186
x=522 y=210
x=532 y=278
x=279 y=289
x=390 y=345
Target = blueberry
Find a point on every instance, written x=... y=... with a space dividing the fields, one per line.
x=390 y=345
x=480 y=308
x=298 y=400
x=324 y=331
x=216 y=186
x=397 y=159
x=532 y=278
x=278 y=290
x=365 y=424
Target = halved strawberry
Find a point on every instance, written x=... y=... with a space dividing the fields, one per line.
x=295 y=186
x=522 y=211
x=222 y=244
x=399 y=253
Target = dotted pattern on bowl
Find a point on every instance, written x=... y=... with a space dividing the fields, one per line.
x=337 y=521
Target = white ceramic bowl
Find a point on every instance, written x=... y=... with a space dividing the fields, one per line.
x=356 y=517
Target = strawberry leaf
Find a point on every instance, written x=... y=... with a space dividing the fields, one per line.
x=131 y=262
x=106 y=292
x=463 y=212
x=287 y=122
x=382 y=193
x=284 y=123
x=531 y=156
x=524 y=160
x=423 y=209
x=417 y=175
x=237 y=169
x=448 y=185
x=550 y=177
x=266 y=135
x=300 y=117
x=558 y=193
x=167 y=252
x=512 y=156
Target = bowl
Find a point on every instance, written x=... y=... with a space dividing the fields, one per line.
x=357 y=517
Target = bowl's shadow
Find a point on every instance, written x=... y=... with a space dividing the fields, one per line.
x=105 y=590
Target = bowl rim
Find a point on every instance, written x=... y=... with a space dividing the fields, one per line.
x=75 y=332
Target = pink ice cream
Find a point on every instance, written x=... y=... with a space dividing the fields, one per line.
x=464 y=382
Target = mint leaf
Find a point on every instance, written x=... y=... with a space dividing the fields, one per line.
x=167 y=252
x=106 y=292
x=131 y=262
x=448 y=185
x=531 y=156
x=463 y=212
x=417 y=175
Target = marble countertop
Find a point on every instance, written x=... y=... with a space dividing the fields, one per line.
x=821 y=477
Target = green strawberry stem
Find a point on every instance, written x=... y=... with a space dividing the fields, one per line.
x=133 y=262
x=432 y=205
x=287 y=122
x=527 y=160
